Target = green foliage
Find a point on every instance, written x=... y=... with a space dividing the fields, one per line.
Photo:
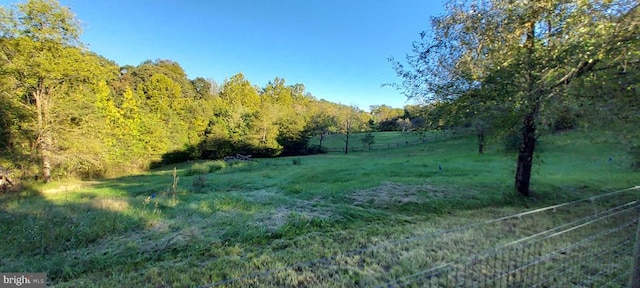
x=103 y=119
x=199 y=168
x=512 y=141
x=368 y=139
x=385 y=118
x=518 y=62
x=206 y=167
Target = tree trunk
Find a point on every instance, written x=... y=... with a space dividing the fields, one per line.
x=44 y=140
x=528 y=145
x=46 y=165
x=525 y=155
x=481 y=141
x=346 y=144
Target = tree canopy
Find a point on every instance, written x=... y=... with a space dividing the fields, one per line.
x=525 y=56
x=67 y=111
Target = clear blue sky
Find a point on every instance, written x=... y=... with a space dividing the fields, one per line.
x=337 y=48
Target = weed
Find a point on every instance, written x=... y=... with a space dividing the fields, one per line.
x=199 y=183
x=156 y=205
x=174 y=186
x=296 y=161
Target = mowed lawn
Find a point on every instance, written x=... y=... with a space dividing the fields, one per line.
x=230 y=220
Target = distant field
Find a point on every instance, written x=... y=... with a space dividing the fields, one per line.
x=383 y=140
x=228 y=220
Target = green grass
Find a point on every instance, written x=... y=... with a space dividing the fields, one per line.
x=383 y=140
x=230 y=220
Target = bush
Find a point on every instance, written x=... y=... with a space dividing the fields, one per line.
x=177 y=156
x=217 y=165
x=316 y=149
x=206 y=167
x=198 y=168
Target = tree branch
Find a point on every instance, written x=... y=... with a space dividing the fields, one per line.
x=583 y=68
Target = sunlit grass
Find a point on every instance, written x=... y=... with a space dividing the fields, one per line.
x=276 y=212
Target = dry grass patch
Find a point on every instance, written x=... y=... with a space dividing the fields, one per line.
x=111 y=204
x=68 y=187
x=303 y=209
x=390 y=193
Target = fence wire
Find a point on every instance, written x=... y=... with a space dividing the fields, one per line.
x=584 y=243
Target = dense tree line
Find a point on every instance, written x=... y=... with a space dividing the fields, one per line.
x=67 y=111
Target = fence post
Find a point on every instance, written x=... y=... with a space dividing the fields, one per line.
x=635 y=270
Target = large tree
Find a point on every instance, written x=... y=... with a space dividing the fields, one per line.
x=529 y=52
x=43 y=64
x=349 y=120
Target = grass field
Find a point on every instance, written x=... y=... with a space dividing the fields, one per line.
x=383 y=140
x=228 y=220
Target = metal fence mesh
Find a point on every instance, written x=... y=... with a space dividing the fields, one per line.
x=584 y=243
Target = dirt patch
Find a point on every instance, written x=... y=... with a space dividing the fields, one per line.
x=392 y=193
x=159 y=226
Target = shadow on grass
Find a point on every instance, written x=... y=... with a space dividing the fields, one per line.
x=55 y=236
x=80 y=237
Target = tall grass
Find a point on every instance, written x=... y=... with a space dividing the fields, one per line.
x=230 y=220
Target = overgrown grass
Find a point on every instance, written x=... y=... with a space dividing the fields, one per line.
x=206 y=167
x=230 y=220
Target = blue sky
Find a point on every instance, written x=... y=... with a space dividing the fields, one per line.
x=337 y=49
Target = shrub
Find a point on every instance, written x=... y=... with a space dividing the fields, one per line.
x=206 y=167
x=216 y=165
x=316 y=149
x=198 y=168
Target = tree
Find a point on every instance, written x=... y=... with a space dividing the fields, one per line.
x=476 y=109
x=529 y=51
x=404 y=124
x=203 y=88
x=385 y=117
x=368 y=139
x=321 y=125
x=43 y=60
x=349 y=122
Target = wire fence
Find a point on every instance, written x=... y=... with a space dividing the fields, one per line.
x=590 y=242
